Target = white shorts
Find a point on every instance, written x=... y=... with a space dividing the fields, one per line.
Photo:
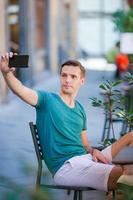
x=83 y=171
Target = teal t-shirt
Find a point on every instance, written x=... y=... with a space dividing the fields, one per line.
x=59 y=128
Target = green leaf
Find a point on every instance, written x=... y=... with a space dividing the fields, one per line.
x=117 y=83
x=108 y=86
x=102 y=86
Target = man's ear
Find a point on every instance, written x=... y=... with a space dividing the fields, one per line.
x=82 y=81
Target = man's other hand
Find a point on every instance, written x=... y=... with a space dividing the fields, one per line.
x=99 y=157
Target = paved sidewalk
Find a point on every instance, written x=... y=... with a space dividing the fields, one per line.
x=16 y=146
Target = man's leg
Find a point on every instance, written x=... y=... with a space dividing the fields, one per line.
x=117 y=171
x=126 y=140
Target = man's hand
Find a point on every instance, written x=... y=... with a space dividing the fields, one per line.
x=26 y=94
x=4 y=60
x=97 y=156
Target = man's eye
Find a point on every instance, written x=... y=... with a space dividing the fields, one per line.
x=73 y=77
x=63 y=75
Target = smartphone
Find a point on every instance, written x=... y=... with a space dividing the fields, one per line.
x=19 y=61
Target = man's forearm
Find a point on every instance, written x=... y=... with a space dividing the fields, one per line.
x=13 y=83
x=26 y=94
x=89 y=149
x=86 y=143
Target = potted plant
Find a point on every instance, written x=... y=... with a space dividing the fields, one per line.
x=123 y=21
x=113 y=102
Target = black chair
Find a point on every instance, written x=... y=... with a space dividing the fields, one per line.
x=78 y=191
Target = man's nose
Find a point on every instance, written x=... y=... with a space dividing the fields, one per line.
x=68 y=79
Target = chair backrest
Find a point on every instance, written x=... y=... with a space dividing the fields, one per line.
x=36 y=141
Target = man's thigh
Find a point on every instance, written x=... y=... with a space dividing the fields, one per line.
x=82 y=171
x=107 y=152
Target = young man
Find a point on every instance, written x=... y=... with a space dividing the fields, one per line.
x=61 y=123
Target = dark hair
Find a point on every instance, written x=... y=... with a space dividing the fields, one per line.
x=74 y=63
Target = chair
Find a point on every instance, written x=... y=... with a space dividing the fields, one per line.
x=78 y=191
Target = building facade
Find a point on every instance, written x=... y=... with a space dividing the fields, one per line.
x=96 y=32
x=44 y=29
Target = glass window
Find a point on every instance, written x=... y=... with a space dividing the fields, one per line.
x=88 y=5
x=111 y=36
x=13 y=20
x=88 y=36
x=112 y=5
x=95 y=31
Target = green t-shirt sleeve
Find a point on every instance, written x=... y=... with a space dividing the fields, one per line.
x=41 y=98
x=84 y=118
x=85 y=121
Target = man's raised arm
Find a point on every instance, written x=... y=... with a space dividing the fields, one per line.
x=26 y=94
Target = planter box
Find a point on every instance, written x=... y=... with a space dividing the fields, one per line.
x=126 y=43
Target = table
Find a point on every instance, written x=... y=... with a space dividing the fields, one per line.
x=125 y=156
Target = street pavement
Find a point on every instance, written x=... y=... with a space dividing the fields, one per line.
x=17 y=156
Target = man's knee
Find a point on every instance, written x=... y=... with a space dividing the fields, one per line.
x=129 y=138
x=115 y=173
x=126 y=140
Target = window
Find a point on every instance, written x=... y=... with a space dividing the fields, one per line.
x=95 y=28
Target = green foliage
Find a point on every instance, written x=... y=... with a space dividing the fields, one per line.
x=123 y=20
x=128 y=116
x=108 y=142
x=15 y=191
x=112 y=96
x=113 y=101
x=111 y=54
x=128 y=78
x=130 y=56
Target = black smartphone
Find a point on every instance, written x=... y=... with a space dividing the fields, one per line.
x=19 y=61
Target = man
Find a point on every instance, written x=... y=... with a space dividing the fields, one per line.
x=61 y=123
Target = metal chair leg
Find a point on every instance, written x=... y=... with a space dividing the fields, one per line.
x=68 y=192
x=80 y=195
x=113 y=194
x=75 y=195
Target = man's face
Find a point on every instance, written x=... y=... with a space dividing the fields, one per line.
x=71 y=79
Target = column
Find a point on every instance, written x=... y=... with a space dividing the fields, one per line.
x=3 y=46
x=73 y=29
x=27 y=38
x=51 y=29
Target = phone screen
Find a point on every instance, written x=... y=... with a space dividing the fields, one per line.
x=19 y=61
